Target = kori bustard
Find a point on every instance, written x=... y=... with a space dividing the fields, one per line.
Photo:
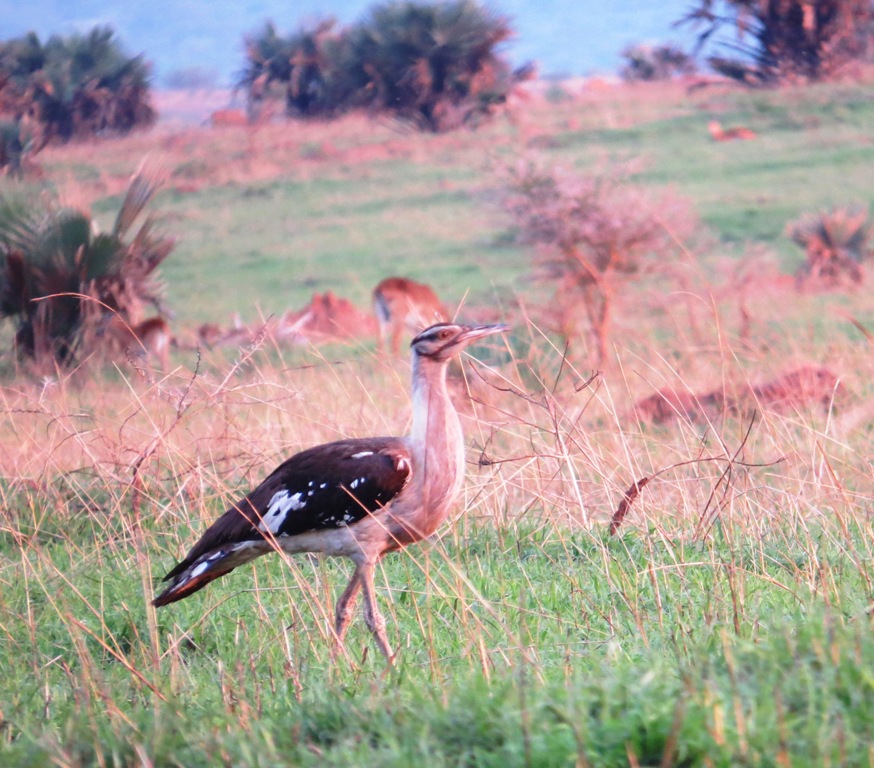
x=358 y=498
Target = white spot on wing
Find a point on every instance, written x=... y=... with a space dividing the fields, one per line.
x=280 y=505
x=199 y=569
x=353 y=484
x=362 y=454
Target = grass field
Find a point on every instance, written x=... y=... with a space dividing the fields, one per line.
x=729 y=623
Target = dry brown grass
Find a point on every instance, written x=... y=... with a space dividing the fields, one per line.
x=562 y=450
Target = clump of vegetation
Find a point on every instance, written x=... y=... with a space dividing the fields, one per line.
x=655 y=62
x=434 y=65
x=60 y=276
x=301 y=68
x=836 y=243
x=788 y=40
x=593 y=233
x=70 y=87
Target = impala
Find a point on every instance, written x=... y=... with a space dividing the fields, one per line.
x=402 y=304
x=148 y=339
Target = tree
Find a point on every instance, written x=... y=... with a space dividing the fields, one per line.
x=781 y=40
x=593 y=233
x=60 y=276
x=82 y=85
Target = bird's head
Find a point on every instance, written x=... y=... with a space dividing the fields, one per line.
x=442 y=341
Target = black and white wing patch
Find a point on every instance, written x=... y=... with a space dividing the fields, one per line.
x=330 y=486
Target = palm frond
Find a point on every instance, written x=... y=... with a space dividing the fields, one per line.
x=143 y=186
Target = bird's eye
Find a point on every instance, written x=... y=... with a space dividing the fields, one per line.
x=445 y=333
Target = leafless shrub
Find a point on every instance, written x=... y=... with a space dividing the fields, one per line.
x=592 y=234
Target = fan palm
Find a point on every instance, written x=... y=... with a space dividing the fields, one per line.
x=59 y=275
x=809 y=39
x=432 y=64
x=836 y=242
x=81 y=85
x=303 y=64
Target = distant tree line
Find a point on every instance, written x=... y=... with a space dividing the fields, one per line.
x=68 y=87
x=435 y=65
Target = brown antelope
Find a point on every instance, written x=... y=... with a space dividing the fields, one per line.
x=727 y=134
x=401 y=304
x=223 y=118
x=148 y=339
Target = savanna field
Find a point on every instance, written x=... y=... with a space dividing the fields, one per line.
x=727 y=622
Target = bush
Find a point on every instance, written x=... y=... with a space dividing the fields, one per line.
x=434 y=65
x=59 y=276
x=302 y=69
x=787 y=40
x=79 y=86
x=836 y=243
x=593 y=233
x=660 y=62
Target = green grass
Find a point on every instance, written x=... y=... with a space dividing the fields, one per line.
x=521 y=646
x=344 y=223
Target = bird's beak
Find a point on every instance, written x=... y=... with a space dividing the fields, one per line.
x=472 y=333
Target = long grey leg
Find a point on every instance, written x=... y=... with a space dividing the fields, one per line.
x=372 y=617
x=346 y=605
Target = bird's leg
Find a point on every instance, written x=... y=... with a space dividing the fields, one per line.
x=372 y=617
x=346 y=604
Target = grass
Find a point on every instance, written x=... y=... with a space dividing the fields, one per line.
x=729 y=623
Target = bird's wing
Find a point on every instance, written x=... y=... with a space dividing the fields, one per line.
x=329 y=486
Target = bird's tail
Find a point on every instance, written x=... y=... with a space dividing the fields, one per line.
x=190 y=576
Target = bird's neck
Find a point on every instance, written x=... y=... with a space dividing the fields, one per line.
x=436 y=440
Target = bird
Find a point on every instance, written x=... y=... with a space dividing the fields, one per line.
x=359 y=498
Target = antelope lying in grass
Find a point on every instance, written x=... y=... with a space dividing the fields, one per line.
x=727 y=134
x=149 y=339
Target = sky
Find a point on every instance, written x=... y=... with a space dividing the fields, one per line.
x=565 y=37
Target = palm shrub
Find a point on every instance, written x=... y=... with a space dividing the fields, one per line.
x=60 y=276
x=301 y=68
x=655 y=62
x=781 y=40
x=435 y=65
x=836 y=243
x=76 y=86
x=592 y=235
